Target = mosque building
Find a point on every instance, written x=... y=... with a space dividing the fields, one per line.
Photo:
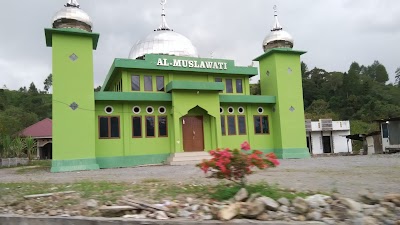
x=164 y=104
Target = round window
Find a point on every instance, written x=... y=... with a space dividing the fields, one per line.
x=136 y=110
x=109 y=109
x=241 y=110
x=221 y=110
x=150 y=110
x=260 y=110
x=231 y=110
x=162 y=110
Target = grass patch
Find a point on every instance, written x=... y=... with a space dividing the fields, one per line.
x=154 y=190
x=152 y=180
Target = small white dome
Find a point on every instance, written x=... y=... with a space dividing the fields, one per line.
x=278 y=38
x=164 y=42
x=72 y=17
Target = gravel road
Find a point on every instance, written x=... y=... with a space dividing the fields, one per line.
x=346 y=174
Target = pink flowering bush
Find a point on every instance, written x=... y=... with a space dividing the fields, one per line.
x=235 y=165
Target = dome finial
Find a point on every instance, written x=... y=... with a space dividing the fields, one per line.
x=164 y=24
x=72 y=3
x=277 y=25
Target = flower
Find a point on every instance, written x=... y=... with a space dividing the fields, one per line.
x=245 y=146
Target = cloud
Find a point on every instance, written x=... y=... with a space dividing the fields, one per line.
x=334 y=32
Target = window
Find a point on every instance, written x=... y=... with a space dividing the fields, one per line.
x=148 y=83
x=162 y=110
x=150 y=126
x=239 y=86
x=241 y=110
x=162 y=126
x=229 y=87
x=223 y=127
x=231 y=125
x=242 y=125
x=150 y=110
x=109 y=109
x=385 y=130
x=136 y=109
x=218 y=79
x=137 y=126
x=231 y=110
x=261 y=125
x=135 y=83
x=108 y=127
x=160 y=83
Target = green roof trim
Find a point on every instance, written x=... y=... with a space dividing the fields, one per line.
x=70 y=31
x=198 y=86
x=247 y=99
x=192 y=65
x=279 y=50
x=133 y=96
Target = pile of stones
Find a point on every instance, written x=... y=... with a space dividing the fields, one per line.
x=335 y=209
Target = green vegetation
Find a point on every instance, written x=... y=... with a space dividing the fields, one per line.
x=109 y=191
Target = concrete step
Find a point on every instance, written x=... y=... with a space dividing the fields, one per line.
x=188 y=158
x=185 y=163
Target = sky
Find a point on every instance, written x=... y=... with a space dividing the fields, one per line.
x=333 y=32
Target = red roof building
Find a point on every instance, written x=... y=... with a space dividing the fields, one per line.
x=42 y=129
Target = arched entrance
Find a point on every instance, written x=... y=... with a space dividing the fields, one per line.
x=195 y=130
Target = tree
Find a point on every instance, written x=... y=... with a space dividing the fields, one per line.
x=30 y=145
x=304 y=69
x=397 y=76
x=32 y=89
x=48 y=82
x=377 y=72
x=97 y=89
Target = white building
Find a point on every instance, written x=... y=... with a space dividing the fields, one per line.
x=327 y=136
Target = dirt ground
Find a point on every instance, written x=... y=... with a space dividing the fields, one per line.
x=346 y=174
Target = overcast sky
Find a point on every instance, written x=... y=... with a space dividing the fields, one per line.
x=334 y=32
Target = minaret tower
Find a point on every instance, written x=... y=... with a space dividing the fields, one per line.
x=72 y=43
x=280 y=76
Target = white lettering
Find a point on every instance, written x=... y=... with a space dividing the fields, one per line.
x=193 y=64
x=177 y=63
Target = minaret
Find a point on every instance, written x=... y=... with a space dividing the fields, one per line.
x=280 y=75
x=74 y=120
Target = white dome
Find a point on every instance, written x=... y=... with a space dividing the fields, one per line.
x=164 y=42
x=278 y=38
x=72 y=12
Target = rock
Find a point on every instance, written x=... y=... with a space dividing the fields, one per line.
x=328 y=221
x=242 y=195
x=301 y=218
x=263 y=217
x=388 y=205
x=52 y=213
x=161 y=215
x=20 y=212
x=253 y=197
x=65 y=215
x=195 y=207
x=317 y=201
x=189 y=200
x=339 y=210
x=395 y=198
x=252 y=209
x=229 y=212
x=269 y=203
x=115 y=208
x=300 y=205
x=207 y=217
x=284 y=201
x=138 y=216
x=205 y=208
x=369 y=221
x=184 y=213
x=283 y=208
x=91 y=204
x=369 y=198
x=351 y=204
x=314 y=216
